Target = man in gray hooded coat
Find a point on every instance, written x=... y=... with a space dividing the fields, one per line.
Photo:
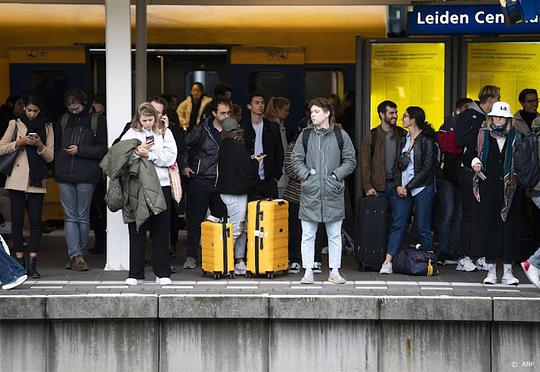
x=322 y=157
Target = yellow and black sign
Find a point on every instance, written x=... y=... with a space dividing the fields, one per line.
x=410 y=74
x=512 y=66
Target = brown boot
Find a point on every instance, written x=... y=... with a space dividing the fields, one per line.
x=78 y=264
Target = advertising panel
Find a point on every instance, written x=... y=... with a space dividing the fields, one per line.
x=410 y=74
x=513 y=66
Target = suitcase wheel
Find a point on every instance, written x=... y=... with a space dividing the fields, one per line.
x=217 y=276
x=270 y=275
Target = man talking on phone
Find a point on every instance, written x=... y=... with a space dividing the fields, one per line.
x=199 y=165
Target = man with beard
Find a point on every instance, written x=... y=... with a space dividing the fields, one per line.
x=379 y=152
x=200 y=164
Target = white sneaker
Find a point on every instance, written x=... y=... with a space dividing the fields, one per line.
x=491 y=277
x=308 y=277
x=466 y=264
x=386 y=268
x=240 y=268
x=508 y=276
x=317 y=268
x=294 y=268
x=532 y=272
x=335 y=277
x=164 y=281
x=17 y=282
x=481 y=264
x=133 y=281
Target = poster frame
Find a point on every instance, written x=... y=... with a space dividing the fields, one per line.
x=464 y=49
x=450 y=87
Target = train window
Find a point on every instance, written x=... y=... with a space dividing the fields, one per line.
x=208 y=78
x=50 y=85
x=324 y=84
x=268 y=83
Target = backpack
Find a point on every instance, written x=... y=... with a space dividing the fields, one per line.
x=337 y=132
x=527 y=164
x=93 y=122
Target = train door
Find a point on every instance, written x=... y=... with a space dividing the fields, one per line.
x=272 y=72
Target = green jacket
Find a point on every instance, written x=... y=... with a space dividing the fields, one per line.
x=322 y=196
x=134 y=184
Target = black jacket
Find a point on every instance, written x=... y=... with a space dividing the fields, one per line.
x=272 y=147
x=425 y=159
x=201 y=151
x=82 y=167
x=468 y=124
x=237 y=171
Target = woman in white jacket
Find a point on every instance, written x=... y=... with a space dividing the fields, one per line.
x=159 y=147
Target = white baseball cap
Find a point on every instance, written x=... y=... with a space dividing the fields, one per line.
x=501 y=109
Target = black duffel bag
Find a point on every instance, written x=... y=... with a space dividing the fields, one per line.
x=414 y=261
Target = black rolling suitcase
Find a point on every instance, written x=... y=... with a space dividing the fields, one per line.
x=372 y=230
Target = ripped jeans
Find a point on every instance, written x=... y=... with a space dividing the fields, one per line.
x=236 y=210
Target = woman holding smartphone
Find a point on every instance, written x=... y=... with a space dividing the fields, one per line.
x=159 y=147
x=27 y=183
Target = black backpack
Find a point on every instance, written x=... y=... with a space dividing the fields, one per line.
x=527 y=165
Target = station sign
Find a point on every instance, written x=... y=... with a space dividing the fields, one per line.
x=465 y=20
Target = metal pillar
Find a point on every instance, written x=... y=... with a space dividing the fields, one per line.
x=140 y=53
x=118 y=75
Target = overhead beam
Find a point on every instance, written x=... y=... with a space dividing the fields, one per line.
x=265 y=2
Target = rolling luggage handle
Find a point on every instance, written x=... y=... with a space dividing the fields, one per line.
x=226 y=233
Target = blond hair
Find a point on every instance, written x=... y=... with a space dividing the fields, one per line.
x=488 y=91
x=146 y=109
x=275 y=104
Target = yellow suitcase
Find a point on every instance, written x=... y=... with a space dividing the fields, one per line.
x=217 y=248
x=267 y=237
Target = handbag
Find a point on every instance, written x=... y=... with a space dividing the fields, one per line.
x=414 y=261
x=8 y=160
x=176 y=183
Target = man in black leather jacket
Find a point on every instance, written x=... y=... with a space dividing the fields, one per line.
x=200 y=164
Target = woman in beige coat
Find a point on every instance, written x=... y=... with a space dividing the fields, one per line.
x=27 y=182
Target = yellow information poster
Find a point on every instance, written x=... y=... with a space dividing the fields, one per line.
x=410 y=74
x=512 y=66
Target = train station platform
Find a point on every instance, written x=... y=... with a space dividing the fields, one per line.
x=88 y=321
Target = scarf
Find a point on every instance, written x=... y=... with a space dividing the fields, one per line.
x=497 y=131
x=509 y=179
x=37 y=165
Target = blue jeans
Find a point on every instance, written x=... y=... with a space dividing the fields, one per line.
x=76 y=199
x=236 y=210
x=423 y=203
x=309 y=232
x=10 y=269
x=535 y=259
x=451 y=212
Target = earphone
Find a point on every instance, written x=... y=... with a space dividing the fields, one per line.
x=249 y=107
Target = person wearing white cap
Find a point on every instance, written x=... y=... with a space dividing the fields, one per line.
x=496 y=222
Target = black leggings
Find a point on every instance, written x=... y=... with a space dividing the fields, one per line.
x=33 y=203
x=158 y=225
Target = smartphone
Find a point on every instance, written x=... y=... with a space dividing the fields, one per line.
x=33 y=135
x=149 y=139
